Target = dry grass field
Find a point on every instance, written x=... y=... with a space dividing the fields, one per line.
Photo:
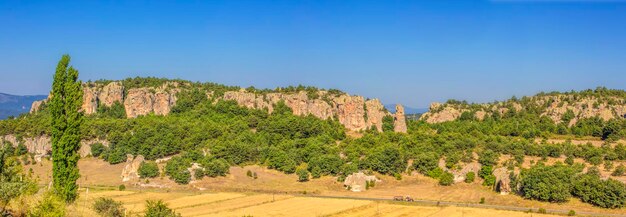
x=237 y=204
x=99 y=174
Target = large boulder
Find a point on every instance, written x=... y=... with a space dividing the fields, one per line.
x=129 y=173
x=399 y=124
x=357 y=182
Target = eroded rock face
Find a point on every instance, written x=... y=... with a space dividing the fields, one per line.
x=111 y=93
x=351 y=111
x=399 y=124
x=143 y=101
x=90 y=99
x=502 y=180
x=36 y=106
x=438 y=113
x=85 y=146
x=357 y=182
x=554 y=107
x=129 y=173
x=42 y=146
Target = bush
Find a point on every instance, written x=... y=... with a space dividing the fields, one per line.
x=316 y=172
x=482 y=200
x=21 y=149
x=303 y=173
x=446 y=179
x=50 y=206
x=122 y=187
x=490 y=180
x=469 y=177
x=547 y=183
x=98 y=149
x=619 y=170
x=217 y=167
x=159 y=209
x=606 y=194
x=435 y=173
x=148 y=169
x=107 y=207
x=571 y=213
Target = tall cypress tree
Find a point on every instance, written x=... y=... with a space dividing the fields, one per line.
x=65 y=104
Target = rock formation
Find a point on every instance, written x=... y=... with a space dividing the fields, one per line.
x=129 y=173
x=399 y=124
x=438 y=113
x=553 y=106
x=42 y=146
x=143 y=101
x=502 y=180
x=357 y=182
x=354 y=112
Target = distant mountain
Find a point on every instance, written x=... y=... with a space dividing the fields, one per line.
x=407 y=110
x=12 y=105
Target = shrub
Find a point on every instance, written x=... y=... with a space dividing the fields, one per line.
x=571 y=213
x=159 y=209
x=542 y=211
x=21 y=149
x=435 y=173
x=482 y=200
x=606 y=194
x=122 y=187
x=490 y=180
x=316 y=172
x=547 y=183
x=469 y=177
x=216 y=167
x=303 y=173
x=98 y=149
x=619 y=170
x=446 y=179
x=107 y=207
x=249 y=173
x=148 y=169
x=50 y=206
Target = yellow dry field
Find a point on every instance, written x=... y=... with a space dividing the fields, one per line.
x=394 y=210
x=260 y=205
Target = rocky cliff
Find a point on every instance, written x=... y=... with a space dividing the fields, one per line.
x=41 y=145
x=560 y=107
x=354 y=112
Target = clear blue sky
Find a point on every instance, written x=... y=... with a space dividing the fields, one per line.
x=410 y=52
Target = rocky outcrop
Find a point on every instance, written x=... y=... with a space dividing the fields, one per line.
x=95 y=95
x=438 y=113
x=143 y=101
x=399 y=124
x=85 y=146
x=129 y=173
x=460 y=173
x=111 y=93
x=357 y=182
x=354 y=112
x=552 y=106
x=42 y=146
x=37 y=105
x=503 y=180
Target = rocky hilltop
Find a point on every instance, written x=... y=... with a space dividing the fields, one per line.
x=567 y=108
x=353 y=112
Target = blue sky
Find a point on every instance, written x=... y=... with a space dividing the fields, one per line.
x=410 y=52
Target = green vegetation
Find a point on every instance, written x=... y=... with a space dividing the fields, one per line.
x=107 y=207
x=67 y=98
x=469 y=177
x=215 y=134
x=148 y=170
x=13 y=183
x=158 y=208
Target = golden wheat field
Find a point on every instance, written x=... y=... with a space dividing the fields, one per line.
x=243 y=204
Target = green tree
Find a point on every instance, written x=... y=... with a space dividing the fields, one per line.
x=446 y=179
x=67 y=98
x=388 y=123
x=12 y=181
x=469 y=177
x=148 y=170
x=158 y=208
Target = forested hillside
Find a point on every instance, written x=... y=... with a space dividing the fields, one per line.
x=205 y=127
